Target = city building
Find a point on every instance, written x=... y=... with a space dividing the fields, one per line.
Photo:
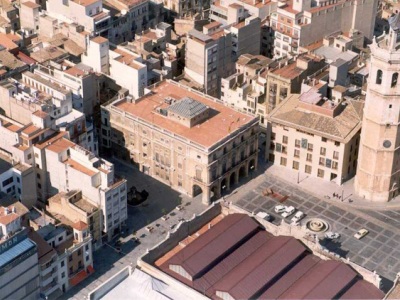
x=63 y=166
x=233 y=257
x=74 y=259
x=97 y=55
x=73 y=206
x=287 y=77
x=313 y=135
x=11 y=66
x=114 y=20
x=41 y=106
x=209 y=57
x=186 y=8
x=17 y=179
x=299 y=24
x=378 y=173
x=231 y=11
x=79 y=79
x=188 y=140
x=19 y=272
x=48 y=268
x=128 y=71
x=245 y=90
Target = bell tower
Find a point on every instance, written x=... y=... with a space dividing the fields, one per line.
x=378 y=170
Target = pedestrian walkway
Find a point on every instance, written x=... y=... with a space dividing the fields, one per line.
x=326 y=189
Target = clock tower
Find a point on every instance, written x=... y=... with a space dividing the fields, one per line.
x=378 y=170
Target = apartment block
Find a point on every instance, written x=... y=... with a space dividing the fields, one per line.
x=63 y=166
x=74 y=256
x=108 y=22
x=245 y=90
x=185 y=139
x=79 y=79
x=209 y=57
x=234 y=11
x=17 y=179
x=44 y=105
x=246 y=37
x=75 y=207
x=97 y=55
x=302 y=23
x=313 y=135
x=286 y=78
x=19 y=272
x=128 y=70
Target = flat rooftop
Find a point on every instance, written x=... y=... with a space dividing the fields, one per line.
x=221 y=123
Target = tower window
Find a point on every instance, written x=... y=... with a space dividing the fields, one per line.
x=390 y=105
x=379 y=77
x=395 y=76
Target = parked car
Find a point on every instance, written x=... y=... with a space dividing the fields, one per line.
x=297 y=217
x=264 y=215
x=179 y=207
x=332 y=235
x=289 y=210
x=361 y=233
x=280 y=208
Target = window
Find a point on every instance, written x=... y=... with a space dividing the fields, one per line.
x=284 y=149
x=284 y=139
x=86 y=257
x=395 y=76
x=321 y=173
x=38 y=176
x=60 y=238
x=79 y=251
x=322 y=161
x=337 y=143
x=273 y=136
x=7 y=181
x=322 y=151
x=297 y=143
x=379 y=77
x=296 y=165
x=308 y=169
x=62 y=274
x=334 y=165
x=62 y=264
x=335 y=155
x=296 y=153
x=309 y=157
x=310 y=147
x=70 y=258
x=71 y=270
x=324 y=139
x=283 y=161
x=29 y=156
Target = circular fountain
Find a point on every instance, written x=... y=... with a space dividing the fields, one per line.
x=317 y=225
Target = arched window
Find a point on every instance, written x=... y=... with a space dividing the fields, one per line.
x=395 y=76
x=379 y=77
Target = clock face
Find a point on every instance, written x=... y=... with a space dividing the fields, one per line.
x=387 y=144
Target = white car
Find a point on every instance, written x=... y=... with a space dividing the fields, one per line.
x=280 y=208
x=332 y=235
x=297 y=217
x=263 y=215
x=361 y=233
x=289 y=210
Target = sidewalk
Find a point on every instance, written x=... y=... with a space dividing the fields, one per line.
x=325 y=190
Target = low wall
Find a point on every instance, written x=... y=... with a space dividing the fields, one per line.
x=110 y=284
x=183 y=230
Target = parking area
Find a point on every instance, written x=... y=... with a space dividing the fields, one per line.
x=379 y=250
